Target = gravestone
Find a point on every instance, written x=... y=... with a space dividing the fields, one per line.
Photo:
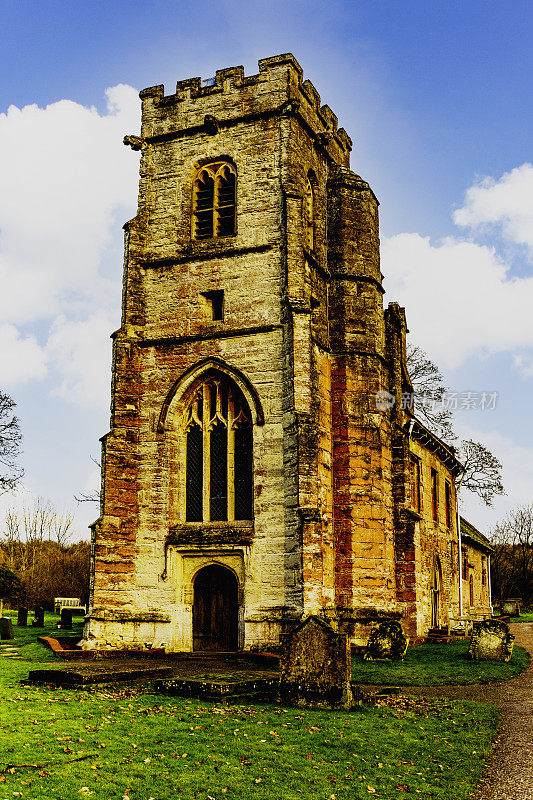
x=22 y=617
x=316 y=666
x=511 y=606
x=66 y=619
x=387 y=642
x=491 y=640
x=6 y=628
x=38 y=617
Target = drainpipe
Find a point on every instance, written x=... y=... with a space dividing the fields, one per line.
x=490 y=586
x=459 y=543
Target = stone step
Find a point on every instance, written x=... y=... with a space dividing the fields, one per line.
x=218 y=690
x=90 y=674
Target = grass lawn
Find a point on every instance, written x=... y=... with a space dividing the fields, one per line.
x=108 y=744
x=525 y=617
x=438 y=664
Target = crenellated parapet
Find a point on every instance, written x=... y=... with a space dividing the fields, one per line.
x=231 y=97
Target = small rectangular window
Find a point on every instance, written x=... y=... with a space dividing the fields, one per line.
x=415 y=484
x=215 y=304
x=448 y=501
x=464 y=553
x=435 y=494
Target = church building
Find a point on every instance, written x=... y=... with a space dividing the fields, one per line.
x=263 y=461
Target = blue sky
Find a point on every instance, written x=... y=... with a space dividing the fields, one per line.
x=435 y=95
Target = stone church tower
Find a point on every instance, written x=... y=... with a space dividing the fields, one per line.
x=249 y=477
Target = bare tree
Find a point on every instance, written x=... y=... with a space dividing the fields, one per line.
x=430 y=393
x=94 y=495
x=482 y=473
x=10 y=439
x=34 y=545
x=512 y=560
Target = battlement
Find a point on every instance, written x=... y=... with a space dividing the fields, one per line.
x=277 y=87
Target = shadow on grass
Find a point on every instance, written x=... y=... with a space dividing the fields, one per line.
x=438 y=665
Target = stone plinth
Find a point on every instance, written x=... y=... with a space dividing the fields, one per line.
x=316 y=666
x=6 y=628
x=387 y=642
x=491 y=640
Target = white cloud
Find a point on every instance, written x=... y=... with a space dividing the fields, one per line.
x=64 y=173
x=460 y=296
x=507 y=202
x=18 y=500
x=22 y=359
x=517 y=475
x=80 y=354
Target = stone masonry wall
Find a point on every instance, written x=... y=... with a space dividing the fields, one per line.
x=305 y=339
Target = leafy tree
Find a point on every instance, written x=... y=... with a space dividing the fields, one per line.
x=10 y=586
x=482 y=473
x=10 y=439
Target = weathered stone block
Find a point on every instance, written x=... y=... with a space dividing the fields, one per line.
x=511 y=607
x=387 y=642
x=316 y=666
x=491 y=640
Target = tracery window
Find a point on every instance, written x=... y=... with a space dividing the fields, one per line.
x=214 y=201
x=219 y=459
x=309 y=209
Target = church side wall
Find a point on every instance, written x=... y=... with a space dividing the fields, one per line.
x=436 y=544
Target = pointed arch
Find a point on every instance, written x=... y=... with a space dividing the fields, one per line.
x=214 y=200
x=181 y=390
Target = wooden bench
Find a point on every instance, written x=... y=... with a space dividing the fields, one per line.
x=73 y=603
x=465 y=624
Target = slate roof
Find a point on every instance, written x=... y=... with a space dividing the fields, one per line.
x=475 y=537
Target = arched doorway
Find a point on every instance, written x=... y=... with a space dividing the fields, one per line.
x=215 y=609
x=436 y=596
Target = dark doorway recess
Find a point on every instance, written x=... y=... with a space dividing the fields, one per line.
x=215 y=610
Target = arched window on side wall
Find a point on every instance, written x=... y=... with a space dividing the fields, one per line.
x=214 y=201
x=219 y=454
x=309 y=214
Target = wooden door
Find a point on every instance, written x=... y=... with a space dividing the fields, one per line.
x=215 y=609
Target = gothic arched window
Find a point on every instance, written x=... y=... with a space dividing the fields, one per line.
x=214 y=201
x=309 y=214
x=219 y=454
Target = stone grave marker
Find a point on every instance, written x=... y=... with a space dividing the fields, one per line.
x=511 y=606
x=38 y=617
x=387 y=642
x=316 y=666
x=491 y=640
x=6 y=628
x=22 y=617
x=66 y=619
